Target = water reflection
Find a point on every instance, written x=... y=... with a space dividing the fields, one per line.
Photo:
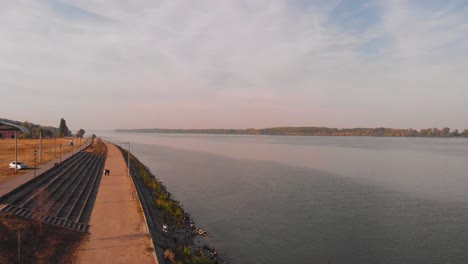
x=428 y=168
x=318 y=200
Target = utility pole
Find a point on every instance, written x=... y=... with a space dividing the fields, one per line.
x=35 y=152
x=40 y=146
x=128 y=160
x=55 y=144
x=16 y=152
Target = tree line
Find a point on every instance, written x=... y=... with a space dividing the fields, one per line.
x=35 y=130
x=317 y=131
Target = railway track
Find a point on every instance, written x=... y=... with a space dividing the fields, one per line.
x=61 y=196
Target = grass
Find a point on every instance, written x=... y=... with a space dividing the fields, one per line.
x=98 y=147
x=26 y=149
x=37 y=245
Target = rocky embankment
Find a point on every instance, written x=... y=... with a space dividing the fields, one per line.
x=172 y=229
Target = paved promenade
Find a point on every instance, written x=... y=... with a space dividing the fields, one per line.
x=118 y=232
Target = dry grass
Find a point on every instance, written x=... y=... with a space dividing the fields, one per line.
x=26 y=149
x=51 y=245
x=98 y=147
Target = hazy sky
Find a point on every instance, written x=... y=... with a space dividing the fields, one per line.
x=234 y=64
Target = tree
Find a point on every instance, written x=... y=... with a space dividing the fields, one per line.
x=26 y=124
x=36 y=132
x=412 y=133
x=423 y=132
x=44 y=205
x=63 y=130
x=17 y=225
x=464 y=133
x=445 y=132
x=80 y=133
x=26 y=135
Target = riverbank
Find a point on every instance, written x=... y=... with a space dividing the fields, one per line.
x=173 y=230
x=314 y=131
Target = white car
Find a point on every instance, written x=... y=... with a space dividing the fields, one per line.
x=18 y=165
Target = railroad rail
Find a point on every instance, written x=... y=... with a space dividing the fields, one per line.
x=62 y=196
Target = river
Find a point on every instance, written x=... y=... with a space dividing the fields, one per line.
x=276 y=199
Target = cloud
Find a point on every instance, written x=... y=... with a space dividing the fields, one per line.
x=235 y=63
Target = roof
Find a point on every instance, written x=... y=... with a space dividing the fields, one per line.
x=15 y=127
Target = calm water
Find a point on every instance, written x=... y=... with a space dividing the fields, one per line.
x=318 y=199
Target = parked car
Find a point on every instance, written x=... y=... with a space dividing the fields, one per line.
x=18 y=165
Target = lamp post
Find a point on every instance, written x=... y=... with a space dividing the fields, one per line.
x=35 y=152
x=55 y=145
x=16 y=152
x=128 y=158
x=40 y=146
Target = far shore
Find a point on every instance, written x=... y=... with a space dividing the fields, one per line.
x=314 y=131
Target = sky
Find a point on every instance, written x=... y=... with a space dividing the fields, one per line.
x=102 y=64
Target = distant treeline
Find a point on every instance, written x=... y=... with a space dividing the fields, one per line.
x=47 y=131
x=316 y=131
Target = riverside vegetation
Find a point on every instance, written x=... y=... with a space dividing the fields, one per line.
x=316 y=131
x=36 y=130
x=183 y=249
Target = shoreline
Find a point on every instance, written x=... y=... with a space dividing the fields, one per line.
x=172 y=229
x=314 y=131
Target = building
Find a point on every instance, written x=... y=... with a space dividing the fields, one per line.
x=7 y=130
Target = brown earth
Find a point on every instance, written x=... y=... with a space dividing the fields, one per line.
x=118 y=232
x=26 y=149
x=37 y=243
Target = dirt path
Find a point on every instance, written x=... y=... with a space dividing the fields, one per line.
x=118 y=231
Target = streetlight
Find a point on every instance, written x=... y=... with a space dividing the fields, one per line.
x=40 y=145
x=16 y=152
x=128 y=160
x=55 y=145
x=128 y=157
x=35 y=152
